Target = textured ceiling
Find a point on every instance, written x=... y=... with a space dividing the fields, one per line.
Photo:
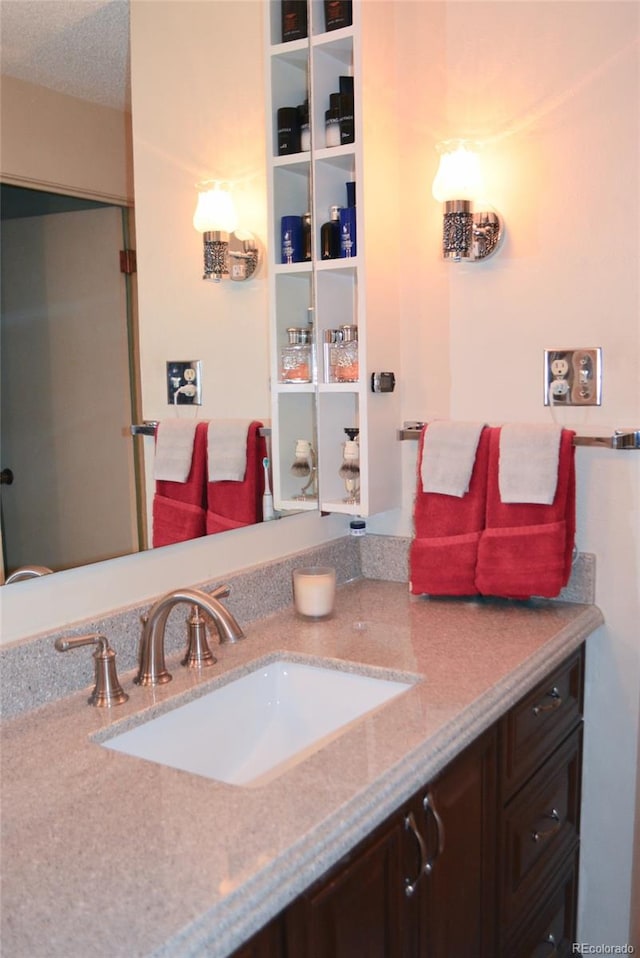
x=77 y=47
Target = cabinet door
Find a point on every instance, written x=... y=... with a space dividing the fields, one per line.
x=459 y=813
x=356 y=910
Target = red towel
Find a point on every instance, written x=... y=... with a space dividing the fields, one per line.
x=179 y=507
x=230 y=504
x=526 y=549
x=442 y=555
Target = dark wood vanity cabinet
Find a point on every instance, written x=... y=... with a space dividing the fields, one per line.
x=540 y=747
x=481 y=862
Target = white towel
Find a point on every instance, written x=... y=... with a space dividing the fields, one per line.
x=174 y=449
x=528 y=465
x=227 y=449
x=448 y=456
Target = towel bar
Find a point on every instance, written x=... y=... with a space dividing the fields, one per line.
x=149 y=427
x=621 y=439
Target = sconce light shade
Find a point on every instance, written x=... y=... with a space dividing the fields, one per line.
x=459 y=176
x=215 y=212
x=466 y=235
x=215 y=217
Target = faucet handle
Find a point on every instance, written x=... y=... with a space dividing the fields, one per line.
x=108 y=690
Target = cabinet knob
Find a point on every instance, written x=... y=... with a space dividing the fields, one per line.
x=555 y=703
x=541 y=834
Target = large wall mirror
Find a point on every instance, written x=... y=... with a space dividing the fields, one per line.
x=108 y=516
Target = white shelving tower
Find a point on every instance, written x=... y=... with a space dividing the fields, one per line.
x=361 y=290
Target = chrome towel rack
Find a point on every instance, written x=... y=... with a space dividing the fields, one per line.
x=149 y=428
x=621 y=438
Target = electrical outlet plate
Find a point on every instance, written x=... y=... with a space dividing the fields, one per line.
x=573 y=376
x=184 y=382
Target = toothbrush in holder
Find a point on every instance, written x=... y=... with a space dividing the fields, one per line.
x=267 y=498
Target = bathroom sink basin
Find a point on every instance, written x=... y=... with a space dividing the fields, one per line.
x=253 y=728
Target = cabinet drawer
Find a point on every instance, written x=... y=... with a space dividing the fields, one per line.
x=539 y=722
x=551 y=930
x=540 y=829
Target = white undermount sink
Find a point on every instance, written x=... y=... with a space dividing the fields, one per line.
x=253 y=728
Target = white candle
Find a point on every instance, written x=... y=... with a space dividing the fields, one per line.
x=314 y=589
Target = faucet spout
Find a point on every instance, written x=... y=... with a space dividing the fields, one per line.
x=153 y=670
x=27 y=572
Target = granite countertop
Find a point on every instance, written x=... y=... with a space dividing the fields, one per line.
x=107 y=854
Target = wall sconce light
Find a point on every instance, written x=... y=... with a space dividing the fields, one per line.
x=466 y=235
x=227 y=250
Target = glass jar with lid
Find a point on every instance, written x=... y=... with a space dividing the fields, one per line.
x=343 y=356
x=296 y=356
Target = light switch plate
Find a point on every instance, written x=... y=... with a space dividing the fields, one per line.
x=184 y=382
x=573 y=376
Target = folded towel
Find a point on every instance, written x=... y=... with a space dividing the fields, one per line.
x=174 y=449
x=448 y=456
x=443 y=552
x=227 y=449
x=231 y=504
x=528 y=468
x=526 y=548
x=179 y=507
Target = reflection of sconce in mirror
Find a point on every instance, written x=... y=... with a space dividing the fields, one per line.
x=466 y=235
x=304 y=467
x=227 y=251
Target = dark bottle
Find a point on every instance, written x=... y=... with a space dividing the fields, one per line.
x=306 y=237
x=347 y=127
x=294 y=20
x=337 y=14
x=288 y=119
x=330 y=235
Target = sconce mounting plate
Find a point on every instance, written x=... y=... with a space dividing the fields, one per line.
x=242 y=256
x=469 y=236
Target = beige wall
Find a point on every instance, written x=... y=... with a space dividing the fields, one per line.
x=60 y=143
x=555 y=94
x=225 y=325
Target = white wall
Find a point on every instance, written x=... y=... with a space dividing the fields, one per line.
x=553 y=88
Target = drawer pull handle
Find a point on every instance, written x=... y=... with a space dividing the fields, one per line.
x=538 y=835
x=410 y=825
x=430 y=807
x=555 y=703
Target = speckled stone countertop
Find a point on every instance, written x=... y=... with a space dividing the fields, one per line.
x=109 y=855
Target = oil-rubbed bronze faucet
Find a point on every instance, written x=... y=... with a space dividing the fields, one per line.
x=153 y=670
x=108 y=690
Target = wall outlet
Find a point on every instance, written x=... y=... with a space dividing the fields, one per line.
x=184 y=382
x=573 y=377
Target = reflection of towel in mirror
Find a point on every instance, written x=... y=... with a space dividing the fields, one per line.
x=179 y=507
x=174 y=449
x=232 y=503
x=227 y=449
x=443 y=552
x=526 y=548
